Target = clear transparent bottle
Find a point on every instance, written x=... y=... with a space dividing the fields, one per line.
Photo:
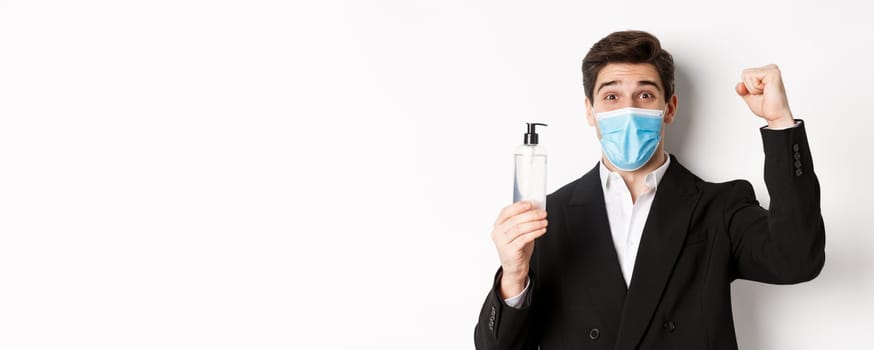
x=529 y=181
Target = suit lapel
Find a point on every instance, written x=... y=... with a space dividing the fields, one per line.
x=595 y=265
x=663 y=237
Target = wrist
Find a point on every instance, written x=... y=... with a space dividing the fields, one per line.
x=512 y=284
x=783 y=122
x=514 y=274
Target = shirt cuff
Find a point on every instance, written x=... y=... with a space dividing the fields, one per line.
x=797 y=122
x=517 y=302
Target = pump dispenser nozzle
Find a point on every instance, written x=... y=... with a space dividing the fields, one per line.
x=531 y=135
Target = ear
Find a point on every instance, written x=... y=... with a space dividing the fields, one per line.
x=671 y=110
x=590 y=114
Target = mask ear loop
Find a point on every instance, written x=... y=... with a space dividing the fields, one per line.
x=594 y=115
x=662 y=139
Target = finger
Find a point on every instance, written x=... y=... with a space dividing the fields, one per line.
x=752 y=79
x=741 y=90
x=531 y=215
x=523 y=240
x=522 y=229
x=509 y=228
x=511 y=210
x=753 y=85
x=775 y=82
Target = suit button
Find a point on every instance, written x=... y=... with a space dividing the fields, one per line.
x=797 y=155
x=795 y=147
x=594 y=334
x=797 y=163
x=670 y=326
x=798 y=172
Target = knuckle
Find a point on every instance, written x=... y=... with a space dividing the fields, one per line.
x=517 y=206
x=528 y=227
x=527 y=216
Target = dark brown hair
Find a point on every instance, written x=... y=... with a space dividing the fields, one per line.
x=631 y=46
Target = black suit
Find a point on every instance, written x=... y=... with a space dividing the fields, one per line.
x=698 y=238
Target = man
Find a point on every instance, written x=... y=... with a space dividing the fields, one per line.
x=639 y=253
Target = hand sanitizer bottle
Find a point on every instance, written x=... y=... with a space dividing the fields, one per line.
x=530 y=177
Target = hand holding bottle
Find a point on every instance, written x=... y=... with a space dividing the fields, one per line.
x=514 y=232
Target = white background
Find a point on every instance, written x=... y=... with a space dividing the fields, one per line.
x=272 y=175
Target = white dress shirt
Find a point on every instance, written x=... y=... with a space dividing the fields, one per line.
x=626 y=218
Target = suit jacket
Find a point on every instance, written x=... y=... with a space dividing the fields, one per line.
x=698 y=238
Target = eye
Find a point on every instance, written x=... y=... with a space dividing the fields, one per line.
x=646 y=95
x=610 y=97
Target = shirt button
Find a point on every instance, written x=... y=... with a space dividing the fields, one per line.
x=594 y=334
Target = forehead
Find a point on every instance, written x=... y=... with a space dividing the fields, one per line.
x=628 y=73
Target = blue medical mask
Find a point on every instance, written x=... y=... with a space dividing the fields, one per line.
x=630 y=136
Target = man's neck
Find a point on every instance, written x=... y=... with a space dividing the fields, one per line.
x=636 y=180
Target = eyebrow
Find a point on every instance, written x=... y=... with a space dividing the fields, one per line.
x=639 y=83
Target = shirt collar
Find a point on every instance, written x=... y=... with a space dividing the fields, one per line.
x=609 y=178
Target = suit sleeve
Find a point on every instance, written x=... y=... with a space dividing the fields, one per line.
x=502 y=326
x=786 y=243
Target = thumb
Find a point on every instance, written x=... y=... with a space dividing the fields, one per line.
x=741 y=90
